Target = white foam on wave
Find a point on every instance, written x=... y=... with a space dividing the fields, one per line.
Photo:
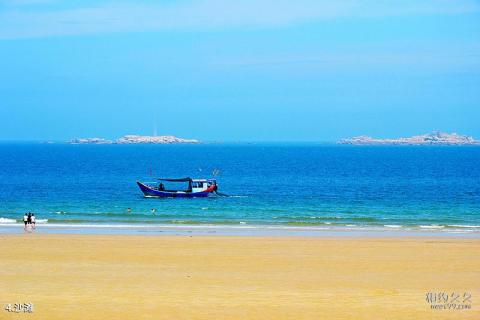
x=392 y=225
x=7 y=220
x=41 y=220
x=433 y=226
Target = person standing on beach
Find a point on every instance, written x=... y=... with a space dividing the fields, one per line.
x=29 y=218
x=33 y=220
x=25 y=220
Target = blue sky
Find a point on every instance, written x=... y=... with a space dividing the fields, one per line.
x=221 y=70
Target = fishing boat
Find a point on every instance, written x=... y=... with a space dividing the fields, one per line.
x=193 y=188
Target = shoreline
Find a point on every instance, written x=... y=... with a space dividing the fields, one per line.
x=470 y=232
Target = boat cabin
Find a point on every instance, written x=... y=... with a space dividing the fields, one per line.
x=193 y=185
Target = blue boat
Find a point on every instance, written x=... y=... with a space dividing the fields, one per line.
x=194 y=188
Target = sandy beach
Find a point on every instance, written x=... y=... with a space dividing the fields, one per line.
x=168 y=277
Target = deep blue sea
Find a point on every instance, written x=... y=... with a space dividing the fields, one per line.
x=270 y=184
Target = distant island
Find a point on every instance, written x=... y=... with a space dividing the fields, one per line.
x=434 y=138
x=134 y=139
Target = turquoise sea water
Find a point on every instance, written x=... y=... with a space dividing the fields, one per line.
x=304 y=185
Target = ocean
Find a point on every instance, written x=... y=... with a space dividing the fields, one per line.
x=280 y=185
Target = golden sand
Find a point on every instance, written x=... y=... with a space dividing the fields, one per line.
x=141 y=277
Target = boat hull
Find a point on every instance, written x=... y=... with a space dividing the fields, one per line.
x=149 y=192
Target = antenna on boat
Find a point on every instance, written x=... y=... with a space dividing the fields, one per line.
x=215 y=173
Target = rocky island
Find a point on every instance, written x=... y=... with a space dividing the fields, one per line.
x=134 y=139
x=90 y=141
x=129 y=139
x=434 y=138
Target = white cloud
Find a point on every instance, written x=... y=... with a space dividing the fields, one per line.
x=16 y=22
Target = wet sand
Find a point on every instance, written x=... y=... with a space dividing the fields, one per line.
x=181 y=277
